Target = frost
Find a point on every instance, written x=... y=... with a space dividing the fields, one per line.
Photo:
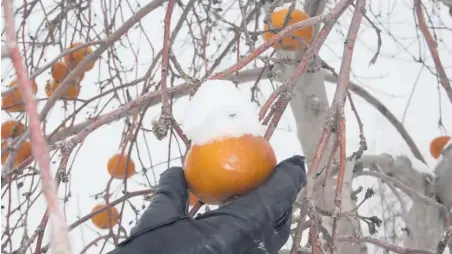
x=261 y=245
x=219 y=110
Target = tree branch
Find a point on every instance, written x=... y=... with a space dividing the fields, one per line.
x=59 y=234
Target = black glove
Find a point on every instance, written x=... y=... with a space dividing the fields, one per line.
x=258 y=222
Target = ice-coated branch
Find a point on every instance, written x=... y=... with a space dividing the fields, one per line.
x=166 y=118
x=433 y=47
x=308 y=56
x=60 y=176
x=81 y=67
x=378 y=105
x=276 y=38
x=244 y=76
x=251 y=74
x=428 y=216
x=126 y=196
x=385 y=245
x=59 y=234
x=52 y=62
x=344 y=79
x=407 y=175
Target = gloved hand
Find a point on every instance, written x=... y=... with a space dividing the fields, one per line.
x=258 y=222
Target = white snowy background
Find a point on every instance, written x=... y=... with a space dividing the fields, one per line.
x=393 y=79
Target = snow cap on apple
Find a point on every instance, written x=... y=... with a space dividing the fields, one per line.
x=219 y=110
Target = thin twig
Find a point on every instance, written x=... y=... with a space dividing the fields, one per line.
x=362 y=138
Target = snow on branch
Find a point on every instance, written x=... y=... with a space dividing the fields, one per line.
x=59 y=234
x=429 y=214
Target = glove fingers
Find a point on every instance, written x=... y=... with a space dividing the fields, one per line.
x=171 y=195
x=276 y=196
x=271 y=201
x=169 y=202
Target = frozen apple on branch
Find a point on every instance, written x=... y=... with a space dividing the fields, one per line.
x=228 y=157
